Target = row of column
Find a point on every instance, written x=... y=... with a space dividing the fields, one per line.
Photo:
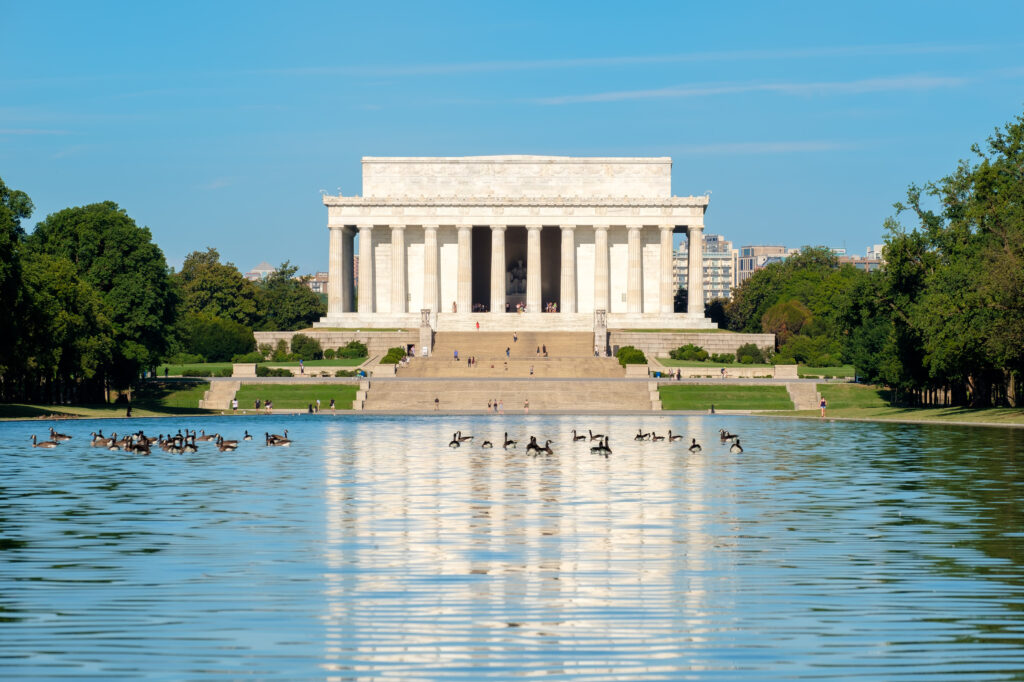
x=339 y=287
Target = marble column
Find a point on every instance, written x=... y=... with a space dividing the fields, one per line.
x=464 y=293
x=695 y=272
x=366 y=282
x=567 y=288
x=431 y=288
x=348 y=251
x=533 y=304
x=635 y=271
x=601 y=272
x=397 y=269
x=497 y=268
x=665 y=280
x=334 y=274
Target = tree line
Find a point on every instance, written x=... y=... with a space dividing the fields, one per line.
x=89 y=303
x=942 y=322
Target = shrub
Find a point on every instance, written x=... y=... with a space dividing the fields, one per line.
x=185 y=359
x=329 y=354
x=630 y=355
x=346 y=372
x=689 y=352
x=393 y=356
x=751 y=352
x=724 y=358
x=262 y=371
x=353 y=349
x=254 y=356
x=265 y=349
x=215 y=338
x=306 y=347
x=280 y=353
x=786 y=318
x=197 y=372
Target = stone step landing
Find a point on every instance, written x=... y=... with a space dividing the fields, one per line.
x=596 y=395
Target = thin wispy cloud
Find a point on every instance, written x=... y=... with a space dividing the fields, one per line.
x=854 y=87
x=452 y=68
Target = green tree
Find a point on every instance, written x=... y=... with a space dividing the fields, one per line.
x=120 y=261
x=286 y=303
x=216 y=339
x=306 y=347
x=784 y=319
x=214 y=288
x=14 y=207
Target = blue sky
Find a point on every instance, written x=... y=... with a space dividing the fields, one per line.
x=217 y=124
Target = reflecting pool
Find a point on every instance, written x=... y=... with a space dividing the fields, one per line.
x=371 y=549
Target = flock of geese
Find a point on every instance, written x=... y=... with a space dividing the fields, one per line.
x=141 y=444
x=601 y=448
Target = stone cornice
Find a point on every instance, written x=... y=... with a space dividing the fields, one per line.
x=367 y=202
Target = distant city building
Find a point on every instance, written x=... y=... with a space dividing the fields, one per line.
x=719 y=267
x=866 y=264
x=261 y=271
x=318 y=283
x=875 y=252
x=753 y=258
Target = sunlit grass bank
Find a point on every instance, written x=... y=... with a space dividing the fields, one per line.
x=725 y=397
x=290 y=396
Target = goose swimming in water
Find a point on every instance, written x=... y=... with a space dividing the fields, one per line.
x=43 y=444
x=278 y=442
x=675 y=437
x=487 y=444
x=694 y=445
x=640 y=435
x=546 y=449
x=736 y=448
x=275 y=436
x=655 y=437
x=54 y=436
x=247 y=436
x=725 y=435
x=601 y=448
x=462 y=439
x=454 y=443
x=509 y=443
x=579 y=437
x=205 y=437
x=595 y=436
x=532 y=446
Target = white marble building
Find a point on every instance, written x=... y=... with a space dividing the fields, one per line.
x=512 y=233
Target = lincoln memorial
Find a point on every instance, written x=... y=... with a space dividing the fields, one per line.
x=513 y=242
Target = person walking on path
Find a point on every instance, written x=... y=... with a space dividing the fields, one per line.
x=723 y=372
x=823 y=405
x=531 y=370
x=332 y=405
x=302 y=367
x=234 y=405
x=508 y=352
x=495 y=406
x=456 y=355
x=437 y=403
x=501 y=407
x=478 y=325
x=545 y=349
x=526 y=406
x=515 y=337
x=318 y=405
x=489 y=404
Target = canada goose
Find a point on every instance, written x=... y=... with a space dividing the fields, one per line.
x=655 y=437
x=232 y=444
x=190 y=444
x=454 y=442
x=509 y=443
x=140 y=447
x=462 y=439
x=532 y=446
x=736 y=447
x=601 y=448
x=98 y=441
x=640 y=435
x=487 y=444
x=282 y=443
x=725 y=435
x=546 y=449
x=694 y=445
x=205 y=437
x=247 y=436
x=595 y=436
x=54 y=436
x=44 y=444
x=275 y=436
x=97 y=436
x=674 y=437
x=579 y=437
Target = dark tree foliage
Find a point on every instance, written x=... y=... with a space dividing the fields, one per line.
x=216 y=339
x=14 y=207
x=214 y=288
x=286 y=303
x=306 y=347
x=119 y=260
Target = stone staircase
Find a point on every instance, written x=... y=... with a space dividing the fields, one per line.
x=804 y=395
x=454 y=394
x=570 y=356
x=219 y=396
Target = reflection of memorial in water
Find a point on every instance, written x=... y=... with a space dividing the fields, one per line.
x=445 y=557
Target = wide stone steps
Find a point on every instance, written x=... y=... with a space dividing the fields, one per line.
x=804 y=395
x=597 y=395
x=220 y=395
x=566 y=368
x=487 y=345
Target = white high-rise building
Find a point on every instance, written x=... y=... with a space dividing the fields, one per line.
x=718 y=267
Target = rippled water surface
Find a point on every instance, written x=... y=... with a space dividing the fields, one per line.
x=371 y=549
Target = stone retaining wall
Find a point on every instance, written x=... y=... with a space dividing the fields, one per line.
x=658 y=344
x=377 y=343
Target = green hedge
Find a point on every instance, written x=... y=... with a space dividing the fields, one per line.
x=393 y=356
x=630 y=355
x=198 y=372
x=262 y=371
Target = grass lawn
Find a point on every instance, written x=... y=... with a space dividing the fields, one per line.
x=290 y=396
x=154 y=399
x=177 y=370
x=726 y=397
x=338 y=362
